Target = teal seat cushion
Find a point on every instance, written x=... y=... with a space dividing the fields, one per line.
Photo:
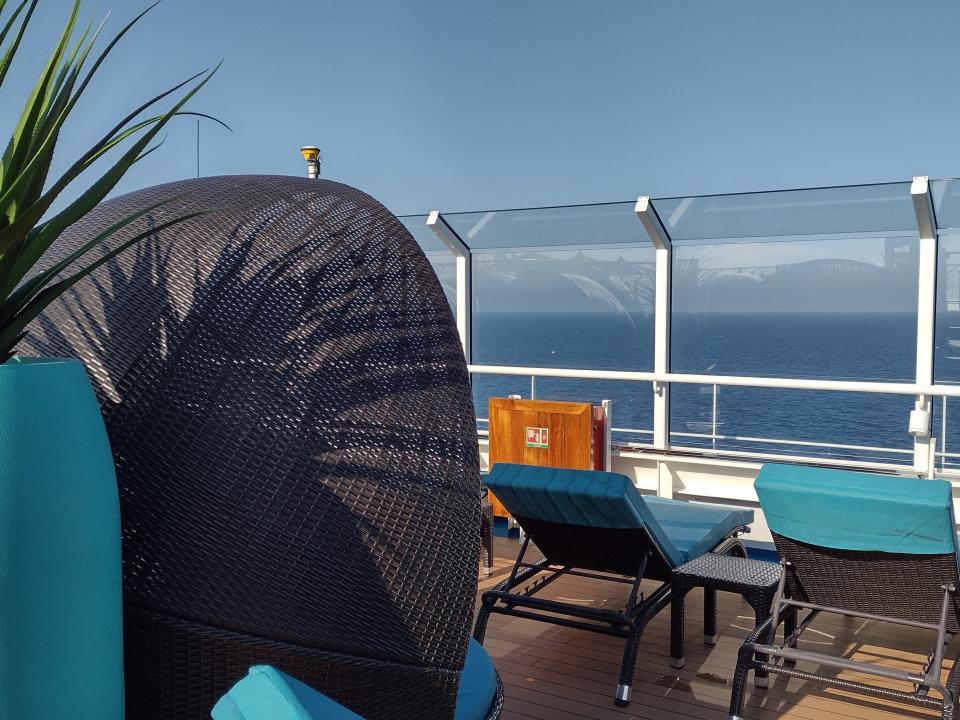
x=268 y=694
x=478 y=684
x=598 y=499
x=847 y=510
x=695 y=529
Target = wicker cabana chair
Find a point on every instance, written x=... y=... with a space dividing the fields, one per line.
x=292 y=422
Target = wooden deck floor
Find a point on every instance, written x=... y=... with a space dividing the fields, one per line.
x=564 y=674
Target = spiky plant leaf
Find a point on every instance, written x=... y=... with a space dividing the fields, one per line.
x=27 y=193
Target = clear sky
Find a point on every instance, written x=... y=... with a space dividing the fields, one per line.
x=475 y=105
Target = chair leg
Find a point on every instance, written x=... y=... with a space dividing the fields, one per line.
x=480 y=627
x=709 y=616
x=953 y=687
x=739 y=684
x=486 y=530
x=760 y=677
x=677 y=598
x=627 y=668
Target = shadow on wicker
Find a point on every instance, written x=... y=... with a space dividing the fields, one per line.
x=294 y=434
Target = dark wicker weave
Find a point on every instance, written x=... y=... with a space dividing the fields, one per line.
x=905 y=588
x=291 y=416
x=756 y=581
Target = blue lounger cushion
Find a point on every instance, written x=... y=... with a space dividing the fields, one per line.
x=478 y=684
x=599 y=499
x=847 y=510
x=268 y=694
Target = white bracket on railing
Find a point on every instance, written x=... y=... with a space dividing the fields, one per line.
x=661 y=331
x=464 y=264
x=919 y=426
x=651 y=222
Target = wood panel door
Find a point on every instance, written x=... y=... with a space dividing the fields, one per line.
x=540 y=432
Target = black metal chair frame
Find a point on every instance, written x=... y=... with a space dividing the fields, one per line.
x=625 y=556
x=761 y=652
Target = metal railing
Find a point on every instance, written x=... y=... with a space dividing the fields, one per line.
x=716 y=381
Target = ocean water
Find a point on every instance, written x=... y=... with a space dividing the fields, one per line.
x=837 y=346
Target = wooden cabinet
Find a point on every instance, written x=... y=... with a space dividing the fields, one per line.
x=543 y=432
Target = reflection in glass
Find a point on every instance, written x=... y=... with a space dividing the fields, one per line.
x=946 y=364
x=589 y=308
x=441 y=259
x=835 y=307
x=864 y=209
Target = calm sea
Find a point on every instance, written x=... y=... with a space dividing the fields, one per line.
x=856 y=346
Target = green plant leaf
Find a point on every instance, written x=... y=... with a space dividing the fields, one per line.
x=25 y=197
x=12 y=331
x=12 y=50
x=22 y=295
x=10 y=235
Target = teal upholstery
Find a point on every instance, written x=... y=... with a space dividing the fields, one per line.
x=609 y=500
x=478 y=684
x=268 y=694
x=848 y=510
x=695 y=529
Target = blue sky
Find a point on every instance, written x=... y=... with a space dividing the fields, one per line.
x=498 y=104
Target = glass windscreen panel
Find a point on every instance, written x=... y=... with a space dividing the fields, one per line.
x=579 y=306
x=834 y=305
x=440 y=257
x=539 y=228
x=946 y=368
x=862 y=209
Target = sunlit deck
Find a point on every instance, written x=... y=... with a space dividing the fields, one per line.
x=564 y=674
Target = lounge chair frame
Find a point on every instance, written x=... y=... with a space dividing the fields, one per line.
x=629 y=556
x=935 y=612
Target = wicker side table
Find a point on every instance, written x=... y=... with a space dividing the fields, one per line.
x=755 y=580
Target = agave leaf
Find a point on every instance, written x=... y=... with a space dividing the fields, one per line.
x=12 y=50
x=22 y=295
x=13 y=330
x=26 y=163
x=56 y=115
x=9 y=236
x=98 y=190
x=23 y=134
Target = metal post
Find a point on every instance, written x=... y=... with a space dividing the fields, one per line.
x=943 y=433
x=533 y=387
x=608 y=434
x=464 y=260
x=919 y=425
x=661 y=343
x=713 y=428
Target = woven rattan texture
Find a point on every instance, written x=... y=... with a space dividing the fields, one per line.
x=293 y=428
x=729 y=569
x=901 y=586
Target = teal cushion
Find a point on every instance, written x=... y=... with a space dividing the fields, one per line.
x=848 y=510
x=268 y=694
x=610 y=500
x=695 y=529
x=478 y=684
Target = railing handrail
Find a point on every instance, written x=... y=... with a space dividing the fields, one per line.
x=874 y=387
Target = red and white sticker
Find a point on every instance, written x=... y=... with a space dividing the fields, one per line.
x=538 y=437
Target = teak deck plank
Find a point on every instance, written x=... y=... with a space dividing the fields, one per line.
x=556 y=673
